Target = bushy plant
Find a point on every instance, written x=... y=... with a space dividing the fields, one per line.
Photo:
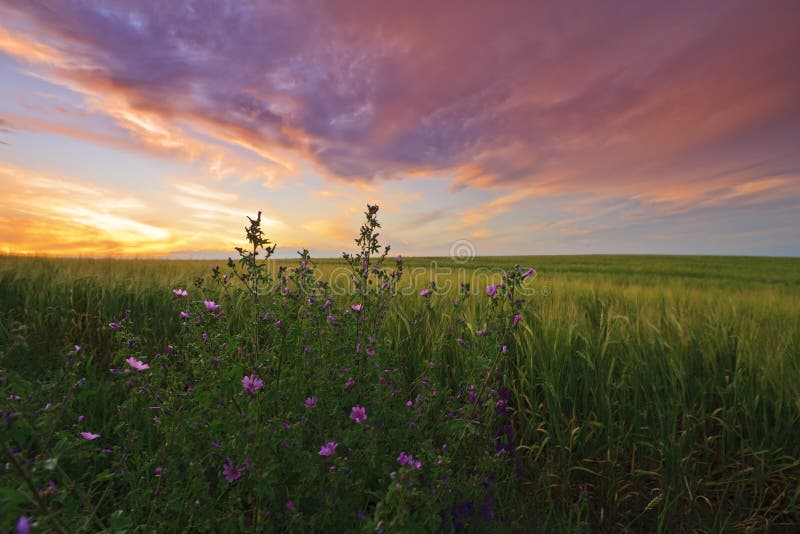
x=307 y=419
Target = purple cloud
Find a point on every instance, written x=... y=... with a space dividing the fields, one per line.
x=567 y=94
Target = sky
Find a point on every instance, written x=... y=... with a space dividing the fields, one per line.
x=152 y=129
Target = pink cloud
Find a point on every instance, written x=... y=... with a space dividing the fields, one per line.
x=612 y=98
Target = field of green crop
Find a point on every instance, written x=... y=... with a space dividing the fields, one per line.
x=642 y=393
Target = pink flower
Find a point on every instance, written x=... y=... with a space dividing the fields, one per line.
x=88 y=436
x=310 y=402
x=136 y=364
x=517 y=317
x=350 y=383
x=491 y=289
x=114 y=326
x=325 y=306
x=180 y=292
x=185 y=315
x=252 y=383
x=328 y=449
x=211 y=305
x=409 y=404
x=424 y=292
x=358 y=414
x=369 y=351
x=356 y=307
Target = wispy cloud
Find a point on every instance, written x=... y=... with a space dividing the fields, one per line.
x=597 y=93
x=50 y=213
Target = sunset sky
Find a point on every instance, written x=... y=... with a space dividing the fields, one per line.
x=152 y=128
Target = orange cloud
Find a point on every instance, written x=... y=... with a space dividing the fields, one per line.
x=45 y=214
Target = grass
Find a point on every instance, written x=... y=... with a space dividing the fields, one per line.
x=646 y=393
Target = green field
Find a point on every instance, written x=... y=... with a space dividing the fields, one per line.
x=647 y=393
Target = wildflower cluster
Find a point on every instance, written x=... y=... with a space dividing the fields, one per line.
x=288 y=418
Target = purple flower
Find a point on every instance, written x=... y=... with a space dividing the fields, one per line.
x=23 y=525
x=185 y=315
x=517 y=317
x=78 y=348
x=331 y=319
x=491 y=289
x=211 y=305
x=136 y=364
x=88 y=436
x=114 y=326
x=370 y=351
x=350 y=383
x=290 y=506
x=252 y=383
x=459 y=341
x=408 y=460
x=81 y=418
x=325 y=306
x=48 y=489
x=358 y=414
x=231 y=472
x=158 y=470
x=529 y=272
x=424 y=292
x=180 y=292
x=328 y=449
x=356 y=307
x=310 y=402
x=410 y=404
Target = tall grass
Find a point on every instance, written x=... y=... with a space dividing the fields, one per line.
x=648 y=393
